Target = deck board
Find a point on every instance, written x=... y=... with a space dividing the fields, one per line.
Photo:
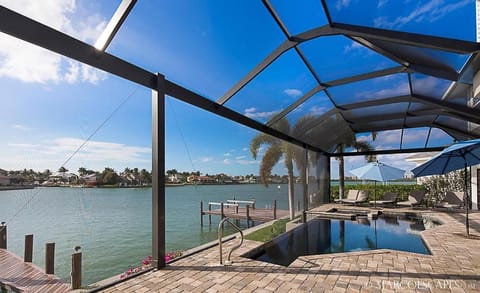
x=27 y=277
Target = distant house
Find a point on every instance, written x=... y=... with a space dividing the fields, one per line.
x=200 y=179
x=91 y=179
x=10 y=180
x=3 y=172
x=4 y=180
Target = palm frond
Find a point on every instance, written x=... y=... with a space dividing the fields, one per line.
x=269 y=160
x=260 y=139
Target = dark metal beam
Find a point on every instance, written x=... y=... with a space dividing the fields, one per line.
x=285 y=46
x=376 y=102
x=158 y=173
x=389 y=152
x=24 y=28
x=365 y=76
x=470 y=114
x=327 y=11
x=114 y=24
x=192 y=98
x=297 y=103
x=410 y=39
x=445 y=71
x=41 y=35
x=276 y=17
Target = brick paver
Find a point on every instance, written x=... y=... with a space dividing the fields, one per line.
x=454 y=266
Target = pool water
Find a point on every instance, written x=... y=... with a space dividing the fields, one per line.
x=321 y=236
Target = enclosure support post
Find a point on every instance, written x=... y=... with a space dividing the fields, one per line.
x=323 y=174
x=158 y=173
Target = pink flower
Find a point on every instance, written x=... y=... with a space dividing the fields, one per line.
x=167 y=258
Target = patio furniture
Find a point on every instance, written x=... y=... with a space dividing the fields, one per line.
x=414 y=199
x=351 y=195
x=362 y=196
x=452 y=199
x=388 y=197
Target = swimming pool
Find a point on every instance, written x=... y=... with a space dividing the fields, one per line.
x=321 y=236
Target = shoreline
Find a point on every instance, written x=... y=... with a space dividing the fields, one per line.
x=13 y=187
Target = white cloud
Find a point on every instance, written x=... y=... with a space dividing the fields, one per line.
x=21 y=127
x=23 y=145
x=227 y=154
x=381 y=3
x=340 y=4
x=353 y=47
x=94 y=154
x=206 y=159
x=240 y=157
x=245 y=149
x=318 y=110
x=250 y=110
x=428 y=12
x=96 y=150
x=252 y=114
x=227 y=161
x=247 y=162
x=29 y=63
x=400 y=89
x=293 y=92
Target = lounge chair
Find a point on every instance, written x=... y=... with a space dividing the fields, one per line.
x=414 y=199
x=362 y=196
x=351 y=195
x=452 y=199
x=388 y=197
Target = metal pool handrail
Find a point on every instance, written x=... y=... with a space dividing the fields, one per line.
x=220 y=236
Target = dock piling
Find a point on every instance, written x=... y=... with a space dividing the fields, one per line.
x=221 y=210
x=201 y=213
x=275 y=209
x=248 y=215
x=209 y=214
x=77 y=268
x=50 y=258
x=28 y=255
x=3 y=235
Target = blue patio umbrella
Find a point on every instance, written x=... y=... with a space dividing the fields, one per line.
x=457 y=156
x=378 y=172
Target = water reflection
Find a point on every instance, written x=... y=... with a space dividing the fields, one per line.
x=321 y=236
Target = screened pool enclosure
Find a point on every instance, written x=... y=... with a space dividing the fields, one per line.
x=328 y=72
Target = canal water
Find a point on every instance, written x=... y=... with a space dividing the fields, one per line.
x=113 y=226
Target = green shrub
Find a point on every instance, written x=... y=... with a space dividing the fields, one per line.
x=403 y=190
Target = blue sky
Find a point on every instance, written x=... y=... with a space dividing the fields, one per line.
x=51 y=104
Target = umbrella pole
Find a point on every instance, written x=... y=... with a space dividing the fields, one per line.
x=375 y=195
x=467 y=202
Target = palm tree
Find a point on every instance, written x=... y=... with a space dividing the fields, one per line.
x=361 y=146
x=277 y=149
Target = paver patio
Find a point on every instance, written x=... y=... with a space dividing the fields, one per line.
x=454 y=266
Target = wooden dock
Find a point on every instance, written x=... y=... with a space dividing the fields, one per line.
x=19 y=276
x=232 y=209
